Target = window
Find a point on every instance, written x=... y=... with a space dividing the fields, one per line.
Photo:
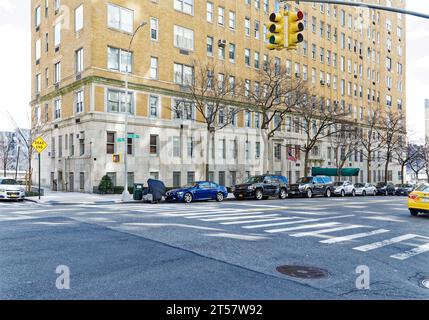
x=110 y=144
x=57 y=35
x=38 y=51
x=78 y=18
x=183 y=38
x=247 y=119
x=176 y=147
x=154 y=29
x=247 y=57
x=183 y=74
x=186 y=6
x=183 y=110
x=232 y=20
x=37 y=17
x=221 y=16
x=209 y=46
x=258 y=150
x=231 y=53
x=82 y=181
x=116 y=102
x=79 y=101
x=112 y=176
x=222 y=149
x=256 y=59
x=57 y=72
x=177 y=179
x=209 y=12
x=154 y=68
x=57 y=109
x=79 y=61
x=130 y=143
x=247 y=27
x=153 y=144
x=38 y=83
x=153 y=106
x=119 y=60
x=120 y=18
x=247 y=150
x=190 y=177
x=190 y=147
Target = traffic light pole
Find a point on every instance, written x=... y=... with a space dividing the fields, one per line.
x=370 y=6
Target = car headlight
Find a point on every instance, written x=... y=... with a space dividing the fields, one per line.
x=301 y=187
x=2 y=190
x=180 y=193
x=251 y=187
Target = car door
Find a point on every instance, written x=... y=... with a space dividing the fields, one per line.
x=318 y=185
x=269 y=189
x=348 y=187
x=202 y=191
x=214 y=188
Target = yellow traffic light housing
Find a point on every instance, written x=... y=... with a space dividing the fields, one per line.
x=295 y=28
x=276 y=28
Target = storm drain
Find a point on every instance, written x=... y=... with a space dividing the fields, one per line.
x=425 y=283
x=303 y=272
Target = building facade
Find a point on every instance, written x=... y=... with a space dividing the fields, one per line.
x=352 y=57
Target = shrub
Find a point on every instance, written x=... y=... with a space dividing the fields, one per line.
x=106 y=185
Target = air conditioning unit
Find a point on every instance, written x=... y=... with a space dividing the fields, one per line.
x=322 y=82
x=297 y=75
x=221 y=43
x=80 y=136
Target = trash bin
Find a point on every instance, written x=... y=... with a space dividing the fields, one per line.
x=138 y=191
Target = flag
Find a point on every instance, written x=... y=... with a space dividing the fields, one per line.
x=291 y=157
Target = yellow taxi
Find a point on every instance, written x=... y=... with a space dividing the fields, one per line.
x=418 y=200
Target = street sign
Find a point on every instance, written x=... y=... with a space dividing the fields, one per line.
x=39 y=145
x=133 y=136
x=120 y=140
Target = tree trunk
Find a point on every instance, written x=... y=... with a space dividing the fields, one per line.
x=306 y=153
x=386 y=168
x=266 y=156
x=368 y=167
x=207 y=164
x=402 y=173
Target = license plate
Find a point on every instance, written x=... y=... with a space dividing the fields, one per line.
x=13 y=196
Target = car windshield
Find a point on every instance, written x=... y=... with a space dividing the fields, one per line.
x=305 y=180
x=257 y=179
x=423 y=188
x=8 y=181
x=190 y=185
x=381 y=184
x=338 y=184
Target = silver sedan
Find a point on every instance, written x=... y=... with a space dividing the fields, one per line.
x=365 y=189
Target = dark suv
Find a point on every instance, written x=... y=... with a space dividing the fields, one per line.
x=262 y=187
x=385 y=189
x=311 y=186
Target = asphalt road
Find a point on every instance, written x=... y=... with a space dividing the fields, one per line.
x=212 y=250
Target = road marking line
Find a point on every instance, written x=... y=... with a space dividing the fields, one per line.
x=222 y=214
x=381 y=218
x=295 y=222
x=353 y=236
x=384 y=243
x=308 y=226
x=242 y=217
x=411 y=253
x=257 y=205
x=323 y=231
x=355 y=207
x=253 y=221
x=200 y=213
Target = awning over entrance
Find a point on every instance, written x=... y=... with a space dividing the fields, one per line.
x=333 y=172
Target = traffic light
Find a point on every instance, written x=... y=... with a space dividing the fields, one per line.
x=116 y=158
x=276 y=29
x=295 y=28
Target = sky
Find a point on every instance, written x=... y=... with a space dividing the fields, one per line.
x=15 y=65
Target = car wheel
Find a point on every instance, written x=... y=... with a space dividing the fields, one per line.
x=414 y=212
x=309 y=193
x=364 y=193
x=374 y=193
x=343 y=194
x=386 y=193
x=283 y=194
x=353 y=193
x=328 y=193
x=187 y=198
x=219 y=197
x=258 y=194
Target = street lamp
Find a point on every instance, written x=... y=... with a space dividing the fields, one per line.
x=126 y=194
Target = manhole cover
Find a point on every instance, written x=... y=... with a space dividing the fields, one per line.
x=425 y=283
x=303 y=272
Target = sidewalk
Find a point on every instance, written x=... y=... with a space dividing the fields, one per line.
x=73 y=198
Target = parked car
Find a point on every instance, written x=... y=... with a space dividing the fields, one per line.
x=344 y=188
x=365 y=189
x=10 y=189
x=385 y=189
x=403 y=189
x=310 y=186
x=418 y=200
x=198 y=191
x=263 y=187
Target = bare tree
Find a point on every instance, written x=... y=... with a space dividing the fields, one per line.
x=404 y=154
x=418 y=162
x=370 y=137
x=7 y=144
x=210 y=91
x=392 y=136
x=26 y=139
x=317 y=122
x=275 y=92
x=344 y=143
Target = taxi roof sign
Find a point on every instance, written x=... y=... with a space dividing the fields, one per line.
x=39 y=145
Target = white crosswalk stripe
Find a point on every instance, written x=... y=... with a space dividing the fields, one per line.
x=411 y=253
x=353 y=236
x=295 y=222
x=308 y=226
x=263 y=220
x=241 y=217
x=216 y=215
x=324 y=231
x=380 y=244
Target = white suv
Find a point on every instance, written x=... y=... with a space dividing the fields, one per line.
x=9 y=189
x=344 y=188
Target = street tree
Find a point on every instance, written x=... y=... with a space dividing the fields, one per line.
x=418 y=162
x=211 y=91
x=7 y=145
x=275 y=92
x=403 y=154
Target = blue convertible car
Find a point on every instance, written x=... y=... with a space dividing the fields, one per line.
x=197 y=191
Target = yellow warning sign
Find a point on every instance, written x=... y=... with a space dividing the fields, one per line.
x=39 y=144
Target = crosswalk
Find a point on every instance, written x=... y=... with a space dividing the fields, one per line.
x=258 y=221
